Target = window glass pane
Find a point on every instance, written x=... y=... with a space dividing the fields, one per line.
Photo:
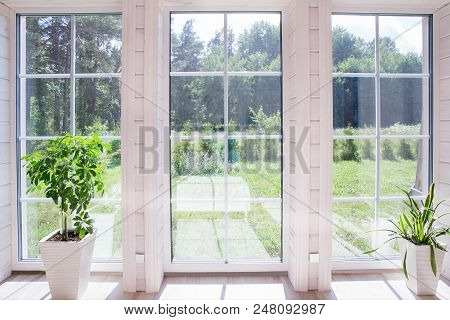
x=254 y=42
x=353 y=43
x=254 y=105
x=41 y=218
x=350 y=220
x=112 y=179
x=196 y=105
x=98 y=106
x=47 y=44
x=404 y=106
x=38 y=220
x=403 y=44
x=47 y=107
x=354 y=106
x=254 y=168
x=197 y=42
x=197 y=171
x=354 y=167
x=197 y=231
x=98 y=43
x=108 y=222
x=254 y=231
x=404 y=165
x=31 y=147
x=389 y=210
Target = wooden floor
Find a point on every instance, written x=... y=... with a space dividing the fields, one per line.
x=386 y=286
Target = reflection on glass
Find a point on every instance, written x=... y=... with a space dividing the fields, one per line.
x=47 y=107
x=353 y=167
x=197 y=232
x=98 y=43
x=254 y=231
x=197 y=171
x=196 y=104
x=350 y=220
x=48 y=44
x=354 y=106
x=404 y=164
x=353 y=43
x=98 y=106
x=254 y=168
x=196 y=42
x=254 y=41
x=402 y=44
x=404 y=107
x=254 y=105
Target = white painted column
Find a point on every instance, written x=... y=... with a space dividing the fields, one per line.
x=141 y=190
x=308 y=111
x=6 y=129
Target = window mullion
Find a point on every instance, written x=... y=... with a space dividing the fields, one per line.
x=72 y=73
x=378 y=130
x=225 y=125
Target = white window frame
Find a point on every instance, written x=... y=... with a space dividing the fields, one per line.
x=234 y=266
x=387 y=263
x=19 y=236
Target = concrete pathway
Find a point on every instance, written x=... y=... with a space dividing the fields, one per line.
x=204 y=240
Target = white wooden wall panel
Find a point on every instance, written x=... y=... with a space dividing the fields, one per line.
x=442 y=113
x=309 y=107
x=140 y=114
x=5 y=145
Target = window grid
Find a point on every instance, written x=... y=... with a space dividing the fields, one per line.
x=23 y=138
x=225 y=136
x=377 y=76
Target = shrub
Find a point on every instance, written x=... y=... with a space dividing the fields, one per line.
x=404 y=150
x=367 y=150
x=387 y=150
x=336 y=151
x=349 y=149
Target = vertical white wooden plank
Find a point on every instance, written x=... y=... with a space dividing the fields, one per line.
x=326 y=146
x=128 y=140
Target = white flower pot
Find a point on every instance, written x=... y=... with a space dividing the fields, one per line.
x=421 y=280
x=67 y=265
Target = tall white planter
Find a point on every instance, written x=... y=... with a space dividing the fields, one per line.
x=421 y=280
x=67 y=265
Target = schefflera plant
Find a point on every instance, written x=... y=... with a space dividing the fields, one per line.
x=418 y=225
x=70 y=172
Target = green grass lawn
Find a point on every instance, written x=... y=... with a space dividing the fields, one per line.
x=351 y=179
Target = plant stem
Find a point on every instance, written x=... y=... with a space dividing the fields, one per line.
x=64 y=231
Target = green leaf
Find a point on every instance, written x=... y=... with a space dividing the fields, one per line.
x=433 y=260
x=405 y=271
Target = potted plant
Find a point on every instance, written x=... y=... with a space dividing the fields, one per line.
x=421 y=252
x=69 y=171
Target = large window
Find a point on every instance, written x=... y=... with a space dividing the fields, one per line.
x=381 y=120
x=225 y=118
x=69 y=82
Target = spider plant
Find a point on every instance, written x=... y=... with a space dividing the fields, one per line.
x=418 y=226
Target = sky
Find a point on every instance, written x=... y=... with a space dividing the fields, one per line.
x=206 y=24
x=407 y=31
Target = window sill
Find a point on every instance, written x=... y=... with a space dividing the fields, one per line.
x=35 y=265
x=360 y=265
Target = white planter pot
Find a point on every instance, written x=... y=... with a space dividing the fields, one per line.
x=67 y=265
x=421 y=280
